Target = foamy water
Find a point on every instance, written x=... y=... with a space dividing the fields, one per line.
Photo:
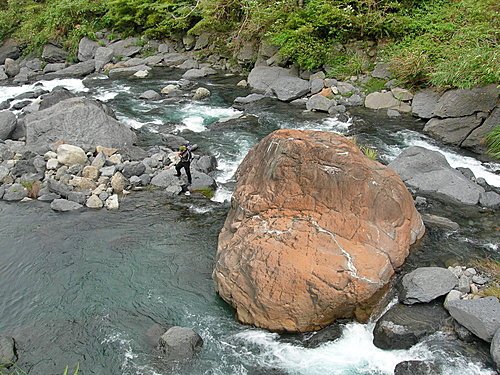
x=411 y=138
x=352 y=353
x=72 y=84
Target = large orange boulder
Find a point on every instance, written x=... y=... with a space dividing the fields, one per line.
x=315 y=230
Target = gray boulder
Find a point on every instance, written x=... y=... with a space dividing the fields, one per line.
x=54 y=67
x=133 y=169
x=438 y=221
x=426 y=284
x=165 y=179
x=78 y=121
x=174 y=59
x=417 y=368
x=495 y=349
x=279 y=82
x=424 y=103
x=317 y=85
x=86 y=49
x=7 y=351
x=9 y=51
x=126 y=48
x=12 y=67
x=198 y=73
x=189 y=64
x=402 y=94
x=452 y=130
x=4 y=172
x=58 y=188
x=201 y=93
x=3 y=75
x=180 y=343
x=127 y=71
x=490 y=199
x=25 y=74
x=202 y=181
x=429 y=173
x=205 y=164
x=150 y=95
x=103 y=55
x=202 y=41
x=77 y=70
x=57 y=95
x=252 y=98
x=54 y=54
x=403 y=326
x=320 y=103
x=15 y=192
x=381 y=71
x=8 y=122
x=480 y=316
x=381 y=100
x=49 y=197
x=475 y=140
x=460 y=102
x=173 y=141
x=64 y=205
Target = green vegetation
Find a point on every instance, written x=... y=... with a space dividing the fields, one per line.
x=369 y=152
x=491 y=268
x=206 y=192
x=493 y=142
x=445 y=43
x=15 y=370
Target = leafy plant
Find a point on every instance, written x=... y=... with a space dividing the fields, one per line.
x=369 y=152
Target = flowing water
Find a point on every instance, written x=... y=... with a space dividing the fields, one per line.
x=89 y=287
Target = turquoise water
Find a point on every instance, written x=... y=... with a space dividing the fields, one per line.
x=86 y=287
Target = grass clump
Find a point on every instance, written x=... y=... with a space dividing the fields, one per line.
x=491 y=268
x=492 y=141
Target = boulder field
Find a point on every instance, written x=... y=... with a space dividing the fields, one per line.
x=314 y=233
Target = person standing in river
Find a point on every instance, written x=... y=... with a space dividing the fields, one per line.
x=185 y=162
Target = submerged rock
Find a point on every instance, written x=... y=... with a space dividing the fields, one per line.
x=7 y=351
x=180 y=343
x=64 y=205
x=417 y=368
x=315 y=231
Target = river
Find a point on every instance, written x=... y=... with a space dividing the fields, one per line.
x=84 y=288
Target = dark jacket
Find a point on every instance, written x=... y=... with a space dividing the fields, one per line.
x=186 y=156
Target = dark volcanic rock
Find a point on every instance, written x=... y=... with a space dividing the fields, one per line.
x=417 y=368
x=403 y=326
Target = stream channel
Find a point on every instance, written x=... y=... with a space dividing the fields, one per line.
x=86 y=287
